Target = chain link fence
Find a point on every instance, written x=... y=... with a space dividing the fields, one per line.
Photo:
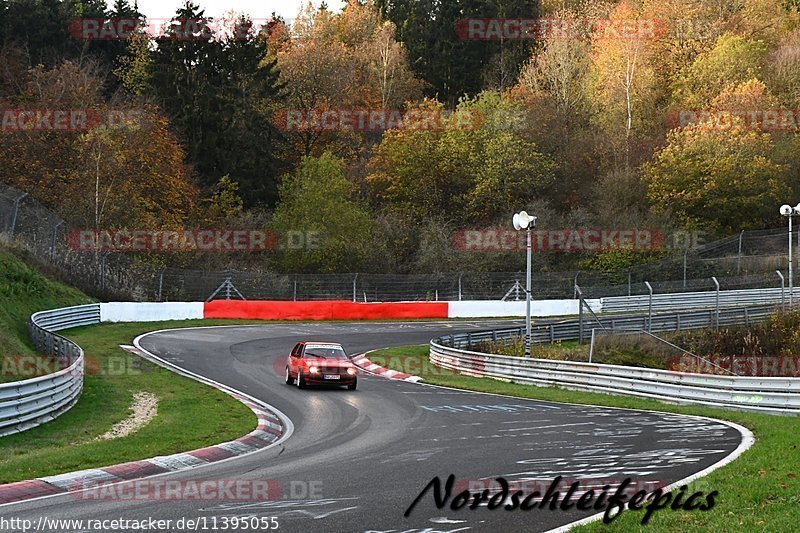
x=746 y=260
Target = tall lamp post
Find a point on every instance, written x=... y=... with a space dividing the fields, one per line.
x=524 y=221
x=789 y=211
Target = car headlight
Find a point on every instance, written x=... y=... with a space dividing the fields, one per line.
x=351 y=371
x=313 y=370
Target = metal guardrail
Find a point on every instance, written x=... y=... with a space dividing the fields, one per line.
x=574 y=330
x=32 y=402
x=695 y=300
x=774 y=395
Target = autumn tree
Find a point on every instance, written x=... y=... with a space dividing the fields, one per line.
x=218 y=92
x=552 y=88
x=718 y=179
x=317 y=200
x=731 y=61
x=131 y=174
x=345 y=61
x=454 y=66
x=781 y=69
x=623 y=88
x=476 y=163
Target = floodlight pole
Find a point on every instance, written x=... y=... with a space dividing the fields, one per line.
x=789 y=211
x=528 y=297
x=791 y=277
x=523 y=220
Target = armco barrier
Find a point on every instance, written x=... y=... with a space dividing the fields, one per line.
x=772 y=395
x=695 y=300
x=568 y=330
x=29 y=403
x=775 y=395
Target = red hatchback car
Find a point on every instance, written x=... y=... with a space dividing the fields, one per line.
x=320 y=363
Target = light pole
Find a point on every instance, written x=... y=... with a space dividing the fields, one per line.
x=789 y=211
x=523 y=220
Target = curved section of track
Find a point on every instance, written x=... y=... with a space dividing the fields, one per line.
x=357 y=459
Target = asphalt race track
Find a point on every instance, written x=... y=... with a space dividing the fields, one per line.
x=357 y=460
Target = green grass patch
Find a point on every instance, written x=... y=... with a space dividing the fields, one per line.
x=23 y=291
x=190 y=414
x=758 y=492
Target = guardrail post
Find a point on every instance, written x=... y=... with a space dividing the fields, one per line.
x=460 y=275
x=629 y=281
x=103 y=271
x=685 y=257
x=160 y=284
x=717 y=300
x=783 y=290
x=552 y=334
x=739 y=256
x=678 y=322
x=746 y=317
x=580 y=314
x=294 y=290
x=355 y=279
x=14 y=215
x=591 y=346
x=649 y=307
x=53 y=241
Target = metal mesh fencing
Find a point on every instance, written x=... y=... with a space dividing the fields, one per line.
x=746 y=260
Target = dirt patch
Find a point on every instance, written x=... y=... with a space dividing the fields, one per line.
x=143 y=409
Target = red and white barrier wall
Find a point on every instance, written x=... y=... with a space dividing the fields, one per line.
x=150 y=312
x=332 y=310
x=324 y=310
x=493 y=308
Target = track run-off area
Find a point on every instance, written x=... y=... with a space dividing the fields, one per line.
x=356 y=460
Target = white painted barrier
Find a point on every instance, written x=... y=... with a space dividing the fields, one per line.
x=149 y=312
x=539 y=308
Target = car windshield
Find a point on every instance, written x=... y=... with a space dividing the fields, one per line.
x=325 y=352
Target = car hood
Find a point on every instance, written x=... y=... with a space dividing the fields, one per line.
x=330 y=363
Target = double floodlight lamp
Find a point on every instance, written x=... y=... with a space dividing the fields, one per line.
x=787 y=210
x=523 y=220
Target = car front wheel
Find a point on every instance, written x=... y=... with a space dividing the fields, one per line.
x=353 y=385
x=301 y=383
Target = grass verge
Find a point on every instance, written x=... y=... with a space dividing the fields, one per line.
x=190 y=414
x=23 y=291
x=758 y=492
